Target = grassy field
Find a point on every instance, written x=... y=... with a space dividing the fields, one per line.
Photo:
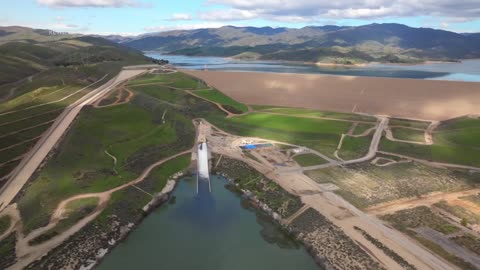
x=365 y=184
x=75 y=211
x=407 y=134
x=321 y=135
x=408 y=123
x=177 y=80
x=456 y=141
x=157 y=179
x=227 y=102
x=455 y=154
x=361 y=128
x=462 y=132
x=136 y=135
x=4 y=224
x=161 y=92
x=315 y=113
x=133 y=135
x=305 y=160
x=354 y=147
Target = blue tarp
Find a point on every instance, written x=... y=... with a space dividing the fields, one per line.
x=254 y=146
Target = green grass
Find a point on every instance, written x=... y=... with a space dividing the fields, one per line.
x=178 y=80
x=133 y=134
x=407 y=134
x=463 y=132
x=408 y=123
x=462 y=155
x=456 y=141
x=7 y=251
x=316 y=113
x=5 y=222
x=26 y=123
x=354 y=147
x=161 y=92
x=306 y=160
x=5 y=169
x=16 y=152
x=361 y=128
x=74 y=212
x=157 y=179
x=39 y=96
x=318 y=134
x=151 y=78
x=219 y=97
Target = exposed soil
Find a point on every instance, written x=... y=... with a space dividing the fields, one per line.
x=410 y=98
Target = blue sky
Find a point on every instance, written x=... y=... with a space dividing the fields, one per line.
x=141 y=16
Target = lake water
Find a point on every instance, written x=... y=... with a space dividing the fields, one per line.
x=210 y=231
x=468 y=70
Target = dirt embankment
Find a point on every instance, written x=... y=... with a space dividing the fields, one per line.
x=408 y=98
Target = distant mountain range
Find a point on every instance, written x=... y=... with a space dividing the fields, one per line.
x=394 y=43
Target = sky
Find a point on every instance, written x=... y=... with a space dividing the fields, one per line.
x=133 y=17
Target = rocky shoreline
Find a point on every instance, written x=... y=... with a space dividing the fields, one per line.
x=329 y=246
x=85 y=249
x=326 y=243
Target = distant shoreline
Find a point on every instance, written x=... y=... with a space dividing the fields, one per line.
x=326 y=64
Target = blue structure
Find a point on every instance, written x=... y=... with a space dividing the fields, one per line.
x=255 y=146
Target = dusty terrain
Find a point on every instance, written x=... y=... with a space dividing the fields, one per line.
x=333 y=207
x=409 y=98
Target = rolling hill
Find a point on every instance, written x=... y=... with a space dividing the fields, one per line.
x=394 y=43
x=34 y=57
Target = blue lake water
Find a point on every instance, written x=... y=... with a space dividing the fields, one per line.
x=209 y=231
x=467 y=70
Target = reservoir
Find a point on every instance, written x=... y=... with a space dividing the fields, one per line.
x=209 y=231
x=467 y=70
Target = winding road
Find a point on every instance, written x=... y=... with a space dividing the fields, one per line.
x=49 y=140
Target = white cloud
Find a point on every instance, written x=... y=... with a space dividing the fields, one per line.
x=164 y=28
x=92 y=3
x=227 y=15
x=358 y=9
x=180 y=17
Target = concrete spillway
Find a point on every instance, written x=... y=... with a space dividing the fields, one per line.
x=203 y=175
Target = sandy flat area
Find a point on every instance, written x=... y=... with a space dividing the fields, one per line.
x=409 y=98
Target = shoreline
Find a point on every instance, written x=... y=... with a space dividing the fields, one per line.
x=326 y=64
x=277 y=219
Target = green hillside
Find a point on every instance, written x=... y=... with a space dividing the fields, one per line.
x=32 y=58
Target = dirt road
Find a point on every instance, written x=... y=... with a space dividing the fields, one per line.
x=34 y=158
x=428 y=200
x=331 y=205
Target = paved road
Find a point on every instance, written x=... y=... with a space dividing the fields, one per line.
x=372 y=151
x=35 y=157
